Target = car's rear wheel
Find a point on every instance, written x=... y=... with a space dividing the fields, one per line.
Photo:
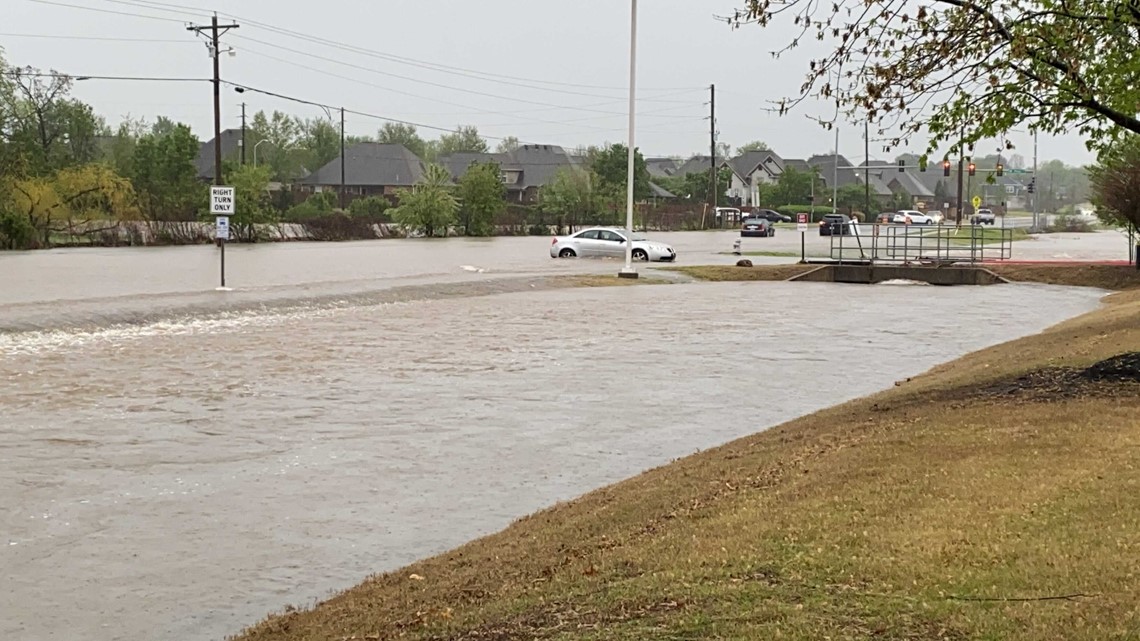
x=567 y=253
x=640 y=254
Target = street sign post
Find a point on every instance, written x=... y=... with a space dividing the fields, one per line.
x=223 y=204
x=802 y=225
x=976 y=202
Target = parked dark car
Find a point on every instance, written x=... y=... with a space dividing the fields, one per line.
x=835 y=225
x=757 y=227
x=770 y=216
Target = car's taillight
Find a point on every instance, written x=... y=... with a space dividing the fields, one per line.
x=554 y=241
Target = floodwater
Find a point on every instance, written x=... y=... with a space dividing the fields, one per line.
x=181 y=479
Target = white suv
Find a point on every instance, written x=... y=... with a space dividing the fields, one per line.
x=913 y=217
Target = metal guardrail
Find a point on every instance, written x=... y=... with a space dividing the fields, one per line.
x=885 y=242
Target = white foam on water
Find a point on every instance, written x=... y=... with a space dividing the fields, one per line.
x=904 y=281
x=36 y=342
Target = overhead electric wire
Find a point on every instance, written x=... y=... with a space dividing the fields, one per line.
x=79 y=77
x=110 y=11
x=52 y=36
x=363 y=114
x=530 y=82
x=439 y=100
x=435 y=84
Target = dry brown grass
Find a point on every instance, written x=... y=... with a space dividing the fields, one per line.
x=935 y=510
x=1111 y=277
x=734 y=273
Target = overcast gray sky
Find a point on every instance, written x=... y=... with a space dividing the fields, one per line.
x=544 y=71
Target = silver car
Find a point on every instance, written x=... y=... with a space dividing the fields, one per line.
x=608 y=242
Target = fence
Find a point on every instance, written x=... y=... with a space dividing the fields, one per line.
x=883 y=242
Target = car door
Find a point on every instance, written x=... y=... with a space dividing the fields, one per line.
x=612 y=243
x=588 y=243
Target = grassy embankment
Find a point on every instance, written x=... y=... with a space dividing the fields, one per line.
x=994 y=497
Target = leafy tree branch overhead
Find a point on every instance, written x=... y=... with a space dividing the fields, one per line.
x=966 y=70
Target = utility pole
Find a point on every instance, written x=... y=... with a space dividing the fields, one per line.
x=1034 y=179
x=216 y=30
x=342 y=158
x=835 y=175
x=961 y=170
x=712 y=149
x=867 y=168
x=243 y=133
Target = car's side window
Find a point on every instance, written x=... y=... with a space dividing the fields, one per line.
x=611 y=236
x=588 y=235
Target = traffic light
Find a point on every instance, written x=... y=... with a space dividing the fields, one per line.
x=1032 y=184
x=1000 y=168
x=972 y=167
x=945 y=167
x=902 y=165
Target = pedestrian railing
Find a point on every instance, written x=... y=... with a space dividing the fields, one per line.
x=882 y=242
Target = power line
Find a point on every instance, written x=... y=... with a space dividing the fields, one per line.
x=159 y=6
x=98 y=38
x=109 y=11
x=78 y=77
x=472 y=112
x=430 y=83
x=528 y=82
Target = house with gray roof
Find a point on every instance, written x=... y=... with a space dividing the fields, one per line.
x=834 y=168
x=906 y=182
x=371 y=169
x=739 y=191
x=231 y=150
x=525 y=170
x=661 y=167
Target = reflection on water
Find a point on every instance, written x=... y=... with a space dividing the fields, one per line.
x=179 y=481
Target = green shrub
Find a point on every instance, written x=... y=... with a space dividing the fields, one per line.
x=1067 y=223
x=320 y=203
x=816 y=213
x=372 y=208
x=16 y=232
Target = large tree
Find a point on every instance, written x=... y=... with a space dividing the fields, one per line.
x=69 y=201
x=611 y=170
x=1116 y=184
x=794 y=187
x=965 y=70
x=395 y=133
x=165 y=178
x=755 y=145
x=462 y=139
x=430 y=207
x=278 y=141
x=507 y=145
x=41 y=123
x=481 y=197
x=570 y=196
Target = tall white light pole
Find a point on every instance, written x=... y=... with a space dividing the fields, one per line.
x=628 y=271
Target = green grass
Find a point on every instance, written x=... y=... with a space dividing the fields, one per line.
x=981 y=235
x=773 y=254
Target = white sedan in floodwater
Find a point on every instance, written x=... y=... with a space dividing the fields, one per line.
x=603 y=242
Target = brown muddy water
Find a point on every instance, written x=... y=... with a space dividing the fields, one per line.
x=181 y=479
